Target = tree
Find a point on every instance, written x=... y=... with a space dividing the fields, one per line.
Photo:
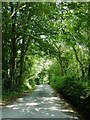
x=56 y=30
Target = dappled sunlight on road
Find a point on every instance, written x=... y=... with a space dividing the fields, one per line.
x=41 y=103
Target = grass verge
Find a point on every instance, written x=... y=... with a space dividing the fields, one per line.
x=8 y=95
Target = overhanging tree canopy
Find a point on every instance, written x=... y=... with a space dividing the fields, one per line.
x=55 y=29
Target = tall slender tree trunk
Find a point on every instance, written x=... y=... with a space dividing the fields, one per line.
x=5 y=54
x=88 y=29
x=21 y=63
x=13 y=47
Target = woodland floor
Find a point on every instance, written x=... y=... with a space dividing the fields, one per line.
x=40 y=103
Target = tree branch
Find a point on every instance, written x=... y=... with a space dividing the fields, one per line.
x=17 y=11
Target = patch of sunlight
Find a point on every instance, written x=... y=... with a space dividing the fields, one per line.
x=31 y=104
x=67 y=110
x=42 y=36
x=10 y=106
x=42 y=102
x=71 y=11
x=29 y=85
x=45 y=108
x=41 y=85
x=66 y=104
x=20 y=99
x=46 y=113
x=37 y=109
x=15 y=108
x=52 y=115
x=51 y=98
x=19 y=51
x=51 y=101
x=74 y=117
x=54 y=108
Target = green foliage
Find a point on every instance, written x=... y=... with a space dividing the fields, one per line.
x=8 y=94
x=75 y=90
x=33 y=83
x=35 y=33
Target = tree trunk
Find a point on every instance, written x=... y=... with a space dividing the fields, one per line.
x=13 y=47
x=5 y=54
x=21 y=63
x=83 y=71
x=88 y=29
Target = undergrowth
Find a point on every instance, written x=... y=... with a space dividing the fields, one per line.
x=7 y=94
x=73 y=89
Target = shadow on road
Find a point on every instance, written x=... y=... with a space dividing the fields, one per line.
x=41 y=103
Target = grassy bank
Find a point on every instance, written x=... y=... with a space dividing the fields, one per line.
x=8 y=95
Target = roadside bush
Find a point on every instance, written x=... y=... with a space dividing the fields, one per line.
x=75 y=90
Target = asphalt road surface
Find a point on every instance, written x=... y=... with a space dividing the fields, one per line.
x=40 y=103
